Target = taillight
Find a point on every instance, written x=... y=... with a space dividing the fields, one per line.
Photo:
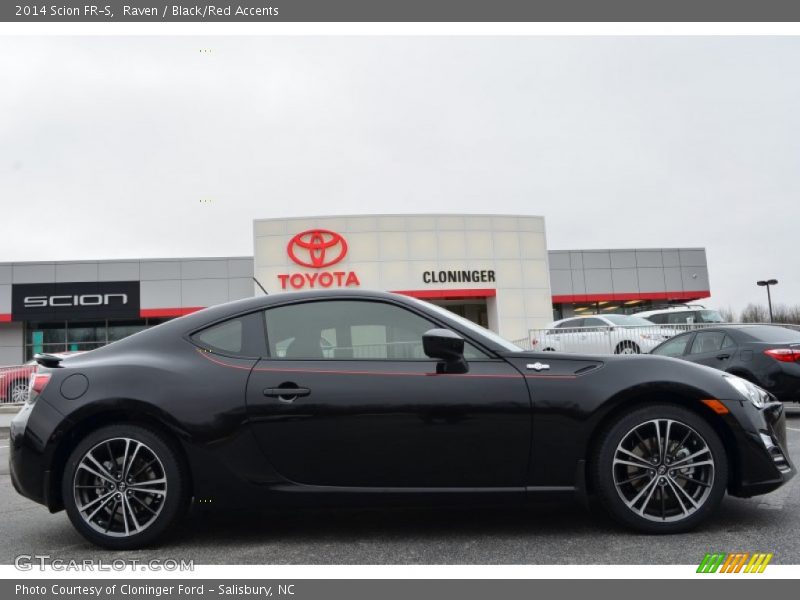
x=37 y=384
x=784 y=354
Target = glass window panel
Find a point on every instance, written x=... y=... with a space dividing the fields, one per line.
x=675 y=347
x=45 y=333
x=80 y=332
x=118 y=330
x=348 y=329
x=226 y=336
x=707 y=341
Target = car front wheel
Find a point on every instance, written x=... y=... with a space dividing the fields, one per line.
x=660 y=469
x=124 y=487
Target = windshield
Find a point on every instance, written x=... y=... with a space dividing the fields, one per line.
x=628 y=321
x=772 y=334
x=470 y=326
x=709 y=316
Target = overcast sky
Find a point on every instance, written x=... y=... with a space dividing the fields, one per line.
x=107 y=145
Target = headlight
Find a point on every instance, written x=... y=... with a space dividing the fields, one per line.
x=656 y=337
x=750 y=391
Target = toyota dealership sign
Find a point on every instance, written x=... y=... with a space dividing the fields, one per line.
x=317 y=249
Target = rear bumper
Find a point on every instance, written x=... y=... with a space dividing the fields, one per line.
x=29 y=451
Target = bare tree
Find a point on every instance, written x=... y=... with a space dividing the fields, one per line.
x=728 y=314
x=754 y=313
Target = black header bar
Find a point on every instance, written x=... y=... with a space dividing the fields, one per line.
x=403 y=11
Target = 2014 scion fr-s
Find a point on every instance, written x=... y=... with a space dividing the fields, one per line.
x=329 y=397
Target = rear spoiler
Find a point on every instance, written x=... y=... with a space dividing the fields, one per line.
x=48 y=360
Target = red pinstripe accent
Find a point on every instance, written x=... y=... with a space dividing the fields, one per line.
x=341 y=372
x=450 y=294
x=168 y=312
x=551 y=376
x=5 y=318
x=569 y=298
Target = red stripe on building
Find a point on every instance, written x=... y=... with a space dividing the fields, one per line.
x=4 y=318
x=168 y=312
x=624 y=296
x=449 y=294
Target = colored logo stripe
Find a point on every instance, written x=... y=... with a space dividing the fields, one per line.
x=735 y=562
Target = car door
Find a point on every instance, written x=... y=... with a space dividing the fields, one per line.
x=595 y=336
x=568 y=334
x=346 y=397
x=712 y=348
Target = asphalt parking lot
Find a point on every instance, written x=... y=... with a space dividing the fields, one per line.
x=542 y=534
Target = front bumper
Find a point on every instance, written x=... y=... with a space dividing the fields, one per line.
x=763 y=463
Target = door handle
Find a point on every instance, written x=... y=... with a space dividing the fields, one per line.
x=287 y=393
x=723 y=356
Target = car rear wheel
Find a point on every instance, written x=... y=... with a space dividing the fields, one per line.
x=660 y=469
x=17 y=391
x=124 y=487
x=627 y=348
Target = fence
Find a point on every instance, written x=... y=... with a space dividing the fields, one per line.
x=613 y=339
x=14 y=383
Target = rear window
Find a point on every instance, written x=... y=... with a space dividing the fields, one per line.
x=226 y=337
x=240 y=336
x=772 y=334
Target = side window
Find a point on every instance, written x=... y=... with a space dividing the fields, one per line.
x=657 y=319
x=242 y=336
x=728 y=342
x=707 y=341
x=674 y=347
x=571 y=324
x=349 y=329
x=226 y=336
x=681 y=318
x=597 y=324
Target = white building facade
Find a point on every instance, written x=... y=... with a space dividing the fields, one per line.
x=492 y=269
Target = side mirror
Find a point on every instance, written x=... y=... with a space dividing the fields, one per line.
x=448 y=347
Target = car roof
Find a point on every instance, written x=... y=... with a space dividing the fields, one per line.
x=188 y=324
x=669 y=310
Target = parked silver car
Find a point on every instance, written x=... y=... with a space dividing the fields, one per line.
x=601 y=334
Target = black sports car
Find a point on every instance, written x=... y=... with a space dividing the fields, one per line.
x=767 y=355
x=337 y=397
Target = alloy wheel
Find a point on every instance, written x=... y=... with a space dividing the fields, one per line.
x=663 y=470
x=18 y=392
x=120 y=487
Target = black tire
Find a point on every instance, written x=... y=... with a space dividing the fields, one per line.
x=628 y=345
x=168 y=466
x=549 y=350
x=604 y=471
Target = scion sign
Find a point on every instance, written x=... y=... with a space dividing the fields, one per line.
x=82 y=300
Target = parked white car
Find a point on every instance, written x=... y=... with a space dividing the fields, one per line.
x=681 y=314
x=601 y=334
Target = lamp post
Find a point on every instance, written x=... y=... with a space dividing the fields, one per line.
x=767 y=283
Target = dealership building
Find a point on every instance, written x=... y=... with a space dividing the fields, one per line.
x=493 y=269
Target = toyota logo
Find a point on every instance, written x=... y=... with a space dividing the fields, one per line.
x=317 y=248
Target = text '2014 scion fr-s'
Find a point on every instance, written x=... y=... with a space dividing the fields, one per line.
x=335 y=397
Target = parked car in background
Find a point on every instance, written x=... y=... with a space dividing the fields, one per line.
x=14 y=382
x=602 y=334
x=767 y=355
x=681 y=314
